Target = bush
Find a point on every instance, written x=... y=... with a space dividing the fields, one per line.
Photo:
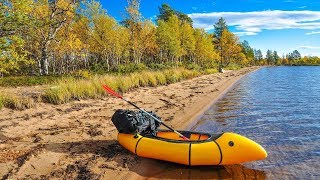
x=155 y=66
x=193 y=67
x=85 y=74
x=130 y=68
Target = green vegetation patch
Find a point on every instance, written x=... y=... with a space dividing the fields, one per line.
x=26 y=80
x=68 y=89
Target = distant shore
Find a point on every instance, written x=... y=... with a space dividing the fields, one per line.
x=78 y=139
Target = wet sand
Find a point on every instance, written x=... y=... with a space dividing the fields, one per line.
x=78 y=139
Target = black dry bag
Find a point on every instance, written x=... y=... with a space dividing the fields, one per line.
x=127 y=121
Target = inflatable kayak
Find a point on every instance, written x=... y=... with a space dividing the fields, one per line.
x=202 y=149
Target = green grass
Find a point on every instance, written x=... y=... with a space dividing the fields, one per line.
x=68 y=89
x=27 y=80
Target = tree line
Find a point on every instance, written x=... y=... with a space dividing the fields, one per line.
x=58 y=37
x=294 y=58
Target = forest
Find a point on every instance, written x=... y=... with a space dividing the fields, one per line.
x=75 y=46
x=66 y=36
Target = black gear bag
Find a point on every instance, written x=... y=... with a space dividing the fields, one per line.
x=129 y=122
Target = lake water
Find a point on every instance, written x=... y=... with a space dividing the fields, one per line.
x=278 y=107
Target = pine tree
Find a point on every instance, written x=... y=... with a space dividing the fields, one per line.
x=296 y=55
x=219 y=27
x=276 y=58
x=247 y=51
x=166 y=12
x=258 y=55
x=270 y=57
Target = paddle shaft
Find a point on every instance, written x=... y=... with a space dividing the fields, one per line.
x=109 y=90
x=154 y=118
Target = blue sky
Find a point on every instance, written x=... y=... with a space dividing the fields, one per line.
x=281 y=25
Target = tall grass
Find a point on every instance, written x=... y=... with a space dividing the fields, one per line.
x=69 y=89
x=15 y=102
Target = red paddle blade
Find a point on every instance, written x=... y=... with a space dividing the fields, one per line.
x=110 y=91
x=185 y=138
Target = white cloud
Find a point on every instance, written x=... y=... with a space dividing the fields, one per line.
x=251 y=23
x=194 y=8
x=302 y=7
x=245 y=33
x=313 y=32
x=309 y=47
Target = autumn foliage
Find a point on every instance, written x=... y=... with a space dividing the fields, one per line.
x=58 y=37
x=61 y=37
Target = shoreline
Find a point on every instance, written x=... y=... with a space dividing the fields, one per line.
x=223 y=92
x=78 y=138
x=206 y=102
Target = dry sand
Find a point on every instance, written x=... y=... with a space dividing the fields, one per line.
x=78 y=139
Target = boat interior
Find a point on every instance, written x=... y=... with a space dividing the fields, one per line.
x=193 y=136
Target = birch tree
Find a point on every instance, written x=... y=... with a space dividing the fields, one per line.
x=50 y=17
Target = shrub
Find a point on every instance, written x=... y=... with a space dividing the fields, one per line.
x=193 y=66
x=155 y=66
x=82 y=74
x=130 y=68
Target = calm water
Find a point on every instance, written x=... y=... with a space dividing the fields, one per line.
x=278 y=107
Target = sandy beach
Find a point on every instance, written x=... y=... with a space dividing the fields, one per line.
x=78 y=139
